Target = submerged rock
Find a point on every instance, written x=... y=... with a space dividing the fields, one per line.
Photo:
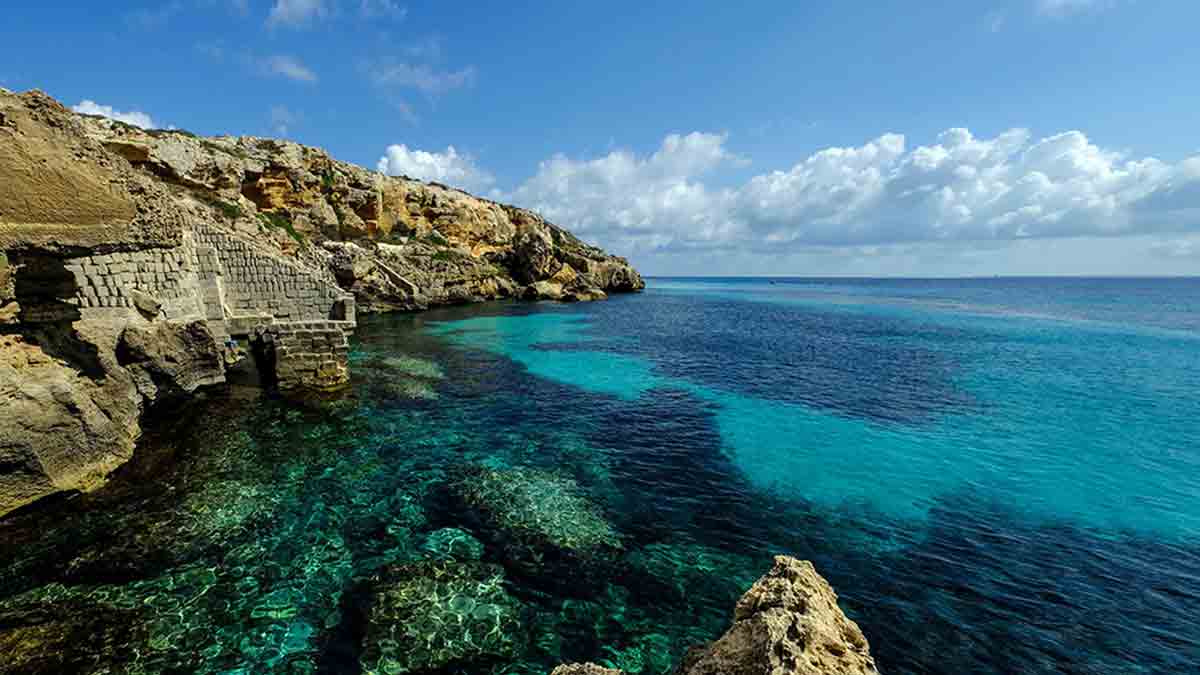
x=453 y=544
x=434 y=615
x=414 y=367
x=788 y=623
x=543 y=523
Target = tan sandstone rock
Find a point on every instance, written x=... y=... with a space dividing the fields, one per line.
x=788 y=623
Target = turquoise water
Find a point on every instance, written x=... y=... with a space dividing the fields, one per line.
x=996 y=475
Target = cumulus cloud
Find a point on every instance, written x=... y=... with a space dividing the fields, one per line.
x=289 y=67
x=962 y=188
x=449 y=167
x=296 y=13
x=646 y=199
x=134 y=117
x=421 y=77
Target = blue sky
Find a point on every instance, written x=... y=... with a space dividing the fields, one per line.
x=889 y=138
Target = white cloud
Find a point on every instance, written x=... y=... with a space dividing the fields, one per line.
x=422 y=77
x=289 y=67
x=282 y=119
x=449 y=167
x=134 y=117
x=296 y=13
x=1011 y=187
x=643 y=200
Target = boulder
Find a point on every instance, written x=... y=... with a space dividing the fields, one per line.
x=61 y=430
x=169 y=359
x=543 y=290
x=145 y=303
x=788 y=623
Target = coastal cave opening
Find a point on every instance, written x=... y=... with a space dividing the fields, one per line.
x=263 y=359
x=41 y=286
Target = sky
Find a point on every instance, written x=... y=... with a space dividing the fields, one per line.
x=884 y=138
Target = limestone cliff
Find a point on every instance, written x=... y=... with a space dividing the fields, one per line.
x=136 y=266
x=395 y=242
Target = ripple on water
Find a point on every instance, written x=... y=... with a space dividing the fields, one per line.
x=1012 y=485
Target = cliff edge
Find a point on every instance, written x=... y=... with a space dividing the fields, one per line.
x=137 y=265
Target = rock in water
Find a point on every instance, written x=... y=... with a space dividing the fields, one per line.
x=788 y=623
x=543 y=524
x=430 y=616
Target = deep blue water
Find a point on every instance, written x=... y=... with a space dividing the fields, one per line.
x=997 y=476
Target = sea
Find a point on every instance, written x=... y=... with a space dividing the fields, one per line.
x=996 y=475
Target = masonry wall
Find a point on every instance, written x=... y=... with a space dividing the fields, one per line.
x=168 y=275
x=240 y=289
x=261 y=285
x=311 y=354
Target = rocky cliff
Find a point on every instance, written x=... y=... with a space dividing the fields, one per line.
x=136 y=266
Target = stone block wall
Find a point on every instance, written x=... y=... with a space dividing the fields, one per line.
x=237 y=286
x=310 y=354
x=167 y=275
x=260 y=285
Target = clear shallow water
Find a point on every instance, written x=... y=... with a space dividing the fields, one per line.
x=996 y=476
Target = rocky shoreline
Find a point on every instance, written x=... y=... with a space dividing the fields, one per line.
x=138 y=265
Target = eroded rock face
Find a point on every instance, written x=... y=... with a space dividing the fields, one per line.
x=788 y=623
x=169 y=359
x=61 y=429
x=60 y=190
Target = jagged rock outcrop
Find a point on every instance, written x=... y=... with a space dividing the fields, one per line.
x=788 y=623
x=137 y=265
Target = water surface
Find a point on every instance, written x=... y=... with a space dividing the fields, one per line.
x=996 y=475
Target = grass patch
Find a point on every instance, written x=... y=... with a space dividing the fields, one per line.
x=280 y=221
x=327 y=180
x=447 y=255
x=230 y=210
x=233 y=151
x=435 y=238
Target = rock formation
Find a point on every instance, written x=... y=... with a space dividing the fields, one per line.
x=543 y=525
x=429 y=616
x=138 y=265
x=788 y=623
